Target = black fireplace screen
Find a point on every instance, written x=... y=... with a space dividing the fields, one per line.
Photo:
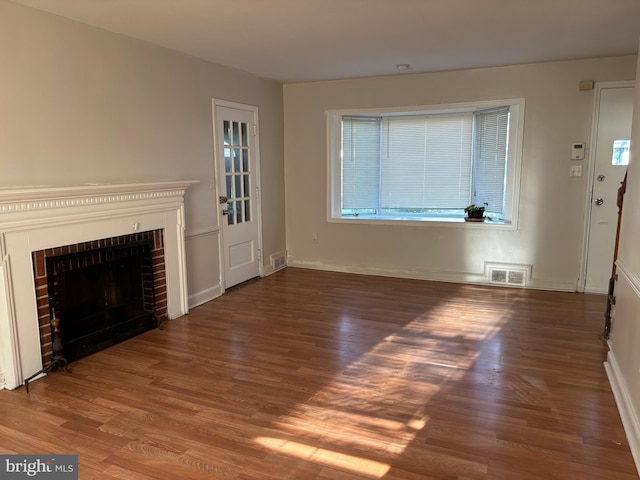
x=102 y=296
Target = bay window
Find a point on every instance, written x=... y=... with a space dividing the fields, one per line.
x=425 y=163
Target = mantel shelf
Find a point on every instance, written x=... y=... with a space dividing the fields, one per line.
x=36 y=198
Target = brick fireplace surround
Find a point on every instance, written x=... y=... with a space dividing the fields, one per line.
x=39 y=219
x=159 y=292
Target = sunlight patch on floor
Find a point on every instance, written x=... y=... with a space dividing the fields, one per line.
x=359 y=465
x=374 y=408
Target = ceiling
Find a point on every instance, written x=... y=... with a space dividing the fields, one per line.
x=307 y=40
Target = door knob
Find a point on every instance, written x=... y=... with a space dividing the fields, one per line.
x=599 y=201
x=222 y=199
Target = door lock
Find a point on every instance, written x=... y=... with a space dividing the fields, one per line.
x=225 y=212
x=599 y=201
x=222 y=199
x=601 y=178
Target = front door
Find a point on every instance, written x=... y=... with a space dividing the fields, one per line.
x=238 y=192
x=612 y=133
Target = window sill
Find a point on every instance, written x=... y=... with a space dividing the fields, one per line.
x=424 y=221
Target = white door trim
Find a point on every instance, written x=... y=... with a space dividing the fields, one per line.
x=591 y=169
x=216 y=102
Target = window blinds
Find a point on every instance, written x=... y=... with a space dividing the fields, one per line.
x=360 y=163
x=424 y=162
x=491 y=158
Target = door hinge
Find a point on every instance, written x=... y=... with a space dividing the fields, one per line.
x=255 y=130
x=257 y=192
x=259 y=254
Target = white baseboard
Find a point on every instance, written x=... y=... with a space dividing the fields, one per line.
x=553 y=286
x=204 y=296
x=422 y=274
x=597 y=291
x=625 y=407
x=269 y=270
x=416 y=274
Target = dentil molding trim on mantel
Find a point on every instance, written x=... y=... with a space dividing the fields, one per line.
x=36 y=198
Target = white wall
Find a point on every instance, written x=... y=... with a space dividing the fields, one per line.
x=552 y=204
x=79 y=104
x=623 y=363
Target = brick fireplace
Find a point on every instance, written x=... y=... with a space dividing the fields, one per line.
x=51 y=219
x=83 y=256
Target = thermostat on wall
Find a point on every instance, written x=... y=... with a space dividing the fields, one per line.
x=577 y=151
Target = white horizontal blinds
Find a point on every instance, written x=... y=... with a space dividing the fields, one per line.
x=426 y=162
x=360 y=163
x=492 y=127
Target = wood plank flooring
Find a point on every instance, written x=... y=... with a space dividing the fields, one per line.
x=326 y=376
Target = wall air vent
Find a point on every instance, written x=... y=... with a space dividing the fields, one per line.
x=513 y=275
x=278 y=261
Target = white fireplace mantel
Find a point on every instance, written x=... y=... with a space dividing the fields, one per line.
x=37 y=218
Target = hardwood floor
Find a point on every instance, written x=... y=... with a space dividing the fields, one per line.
x=326 y=376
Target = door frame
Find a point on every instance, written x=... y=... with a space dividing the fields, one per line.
x=215 y=183
x=591 y=172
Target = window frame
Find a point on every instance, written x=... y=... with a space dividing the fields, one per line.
x=514 y=161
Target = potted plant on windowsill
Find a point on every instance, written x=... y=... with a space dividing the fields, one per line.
x=475 y=213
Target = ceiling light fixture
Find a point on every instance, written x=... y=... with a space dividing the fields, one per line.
x=403 y=67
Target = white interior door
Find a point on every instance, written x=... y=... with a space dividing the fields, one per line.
x=237 y=167
x=612 y=133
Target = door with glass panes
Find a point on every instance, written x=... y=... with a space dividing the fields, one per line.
x=614 y=113
x=237 y=166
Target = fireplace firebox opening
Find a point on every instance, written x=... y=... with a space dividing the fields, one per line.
x=102 y=292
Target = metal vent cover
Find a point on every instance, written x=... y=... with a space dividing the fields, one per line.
x=505 y=274
x=278 y=261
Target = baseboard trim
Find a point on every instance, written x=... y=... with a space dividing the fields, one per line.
x=420 y=274
x=414 y=274
x=269 y=270
x=625 y=407
x=204 y=296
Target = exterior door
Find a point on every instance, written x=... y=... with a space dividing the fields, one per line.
x=238 y=193
x=613 y=115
